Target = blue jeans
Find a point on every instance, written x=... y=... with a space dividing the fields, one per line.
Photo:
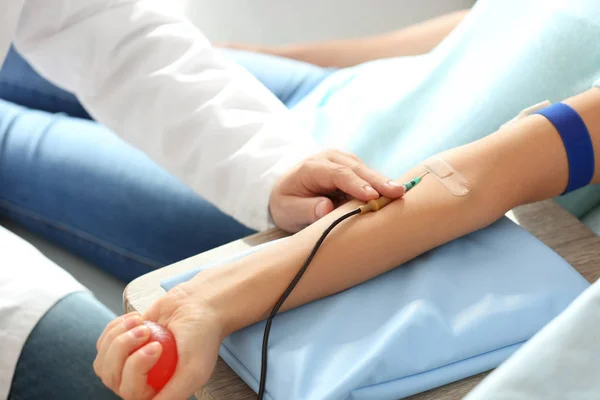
x=80 y=186
x=76 y=183
x=290 y=80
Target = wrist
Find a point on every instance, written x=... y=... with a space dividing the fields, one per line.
x=244 y=291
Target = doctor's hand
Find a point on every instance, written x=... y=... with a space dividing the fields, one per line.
x=322 y=182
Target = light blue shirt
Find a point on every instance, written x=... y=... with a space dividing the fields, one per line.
x=504 y=57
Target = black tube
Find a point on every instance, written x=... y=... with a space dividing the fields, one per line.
x=285 y=295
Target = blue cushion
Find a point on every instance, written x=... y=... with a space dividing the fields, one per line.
x=451 y=313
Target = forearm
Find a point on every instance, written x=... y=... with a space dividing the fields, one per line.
x=415 y=39
x=521 y=163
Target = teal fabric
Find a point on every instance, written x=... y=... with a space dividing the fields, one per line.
x=504 y=57
x=592 y=220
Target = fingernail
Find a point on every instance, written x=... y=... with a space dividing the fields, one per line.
x=321 y=209
x=139 y=332
x=369 y=190
x=396 y=185
x=132 y=322
x=151 y=348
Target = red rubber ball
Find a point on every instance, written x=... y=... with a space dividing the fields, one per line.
x=164 y=368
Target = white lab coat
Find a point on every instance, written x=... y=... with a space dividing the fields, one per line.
x=155 y=81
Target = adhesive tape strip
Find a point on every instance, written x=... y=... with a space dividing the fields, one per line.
x=448 y=176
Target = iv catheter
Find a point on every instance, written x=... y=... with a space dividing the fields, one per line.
x=379 y=203
x=371 y=206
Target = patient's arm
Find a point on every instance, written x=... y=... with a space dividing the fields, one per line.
x=521 y=163
x=415 y=39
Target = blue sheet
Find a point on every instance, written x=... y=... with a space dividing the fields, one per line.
x=451 y=313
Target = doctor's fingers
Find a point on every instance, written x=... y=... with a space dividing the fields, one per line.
x=112 y=363
x=322 y=176
x=134 y=384
x=384 y=186
x=120 y=320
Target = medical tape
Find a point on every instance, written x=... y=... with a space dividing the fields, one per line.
x=448 y=176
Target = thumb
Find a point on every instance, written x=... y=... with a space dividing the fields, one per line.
x=298 y=212
x=321 y=206
x=181 y=386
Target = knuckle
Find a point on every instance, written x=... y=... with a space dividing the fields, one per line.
x=96 y=366
x=114 y=380
x=110 y=337
x=106 y=381
x=310 y=167
x=317 y=156
x=123 y=340
x=118 y=321
x=126 y=392
x=311 y=158
x=330 y=152
x=326 y=154
x=341 y=170
x=307 y=165
x=359 y=168
x=352 y=156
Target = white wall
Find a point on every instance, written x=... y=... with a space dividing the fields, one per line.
x=283 y=21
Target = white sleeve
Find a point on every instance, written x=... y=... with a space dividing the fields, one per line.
x=30 y=284
x=155 y=80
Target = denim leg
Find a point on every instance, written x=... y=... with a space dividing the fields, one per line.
x=290 y=80
x=79 y=185
x=56 y=361
x=21 y=84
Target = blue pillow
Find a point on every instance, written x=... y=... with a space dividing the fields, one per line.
x=453 y=312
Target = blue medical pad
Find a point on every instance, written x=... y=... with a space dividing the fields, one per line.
x=455 y=311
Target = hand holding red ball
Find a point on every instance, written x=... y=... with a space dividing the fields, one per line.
x=169 y=353
x=136 y=358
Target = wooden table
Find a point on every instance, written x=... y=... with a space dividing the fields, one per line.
x=546 y=220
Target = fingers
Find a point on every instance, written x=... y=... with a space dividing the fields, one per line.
x=323 y=176
x=333 y=170
x=118 y=351
x=297 y=199
x=134 y=385
x=183 y=384
x=111 y=325
x=120 y=338
x=384 y=186
x=347 y=180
